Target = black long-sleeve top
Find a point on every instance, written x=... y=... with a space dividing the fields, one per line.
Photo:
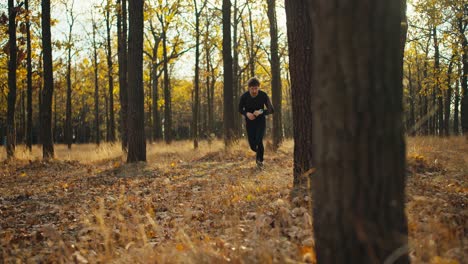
x=249 y=104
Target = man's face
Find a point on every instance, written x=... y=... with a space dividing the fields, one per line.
x=253 y=90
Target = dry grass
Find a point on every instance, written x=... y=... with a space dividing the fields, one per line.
x=202 y=206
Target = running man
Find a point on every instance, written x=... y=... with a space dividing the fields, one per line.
x=252 y=105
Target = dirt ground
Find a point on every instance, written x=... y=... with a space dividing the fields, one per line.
x=204 y=206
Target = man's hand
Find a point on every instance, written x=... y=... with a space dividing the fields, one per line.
x=250 y=116
x=258 y=112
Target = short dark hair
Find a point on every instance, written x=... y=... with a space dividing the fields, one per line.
x=253 y=82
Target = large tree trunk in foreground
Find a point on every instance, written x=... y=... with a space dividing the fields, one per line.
x=356 y=144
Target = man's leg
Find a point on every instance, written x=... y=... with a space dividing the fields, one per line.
x=259 y=133
x=251 y=132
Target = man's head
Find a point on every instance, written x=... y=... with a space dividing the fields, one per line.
x=254 y=85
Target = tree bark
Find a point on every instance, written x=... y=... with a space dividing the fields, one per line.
x=275 y=76
x=235 y=70
x=96 y=89
x=68 y=115
x=464 y=83
x=252 y=60
x=456 y=107
x=110 y=67
x=136 y=110
x=438 y=91
x=356 y=143
x=157 y=133
x=448 y=98
x=11 y=131
x=29 y=78
x=412 y=97
x=300 y=63
x=228 y=113
x=196 y=110
x=167 y=93
x=48 y=91
x=122 y=57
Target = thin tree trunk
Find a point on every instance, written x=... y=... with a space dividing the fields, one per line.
x=252 y=60
x=23 y=117
x=11 y=131
x=228 y=112
x=122 y=57
x=55 y=128
x=110 y=67
x=448 y=98
x=68 y=115
x=96 y=89
x=48 y=91
x=456 y=113
x=300 y=61
x=167 y=94
x=412 y=97
x=106 y=114
x=209 y=109
x=136 y=109
x=39 y=98
x=196 y=109
x=438 y=91
x=464 y=79
x=156 y=119
x=29 y=78
x=235 y=70
x=275 y=76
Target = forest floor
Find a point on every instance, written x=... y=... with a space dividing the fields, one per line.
x=204 y=206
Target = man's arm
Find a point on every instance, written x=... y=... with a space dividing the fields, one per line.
x=269 y=106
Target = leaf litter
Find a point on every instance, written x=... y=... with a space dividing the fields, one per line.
x=208 y=205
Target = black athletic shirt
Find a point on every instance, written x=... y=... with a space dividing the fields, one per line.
x=250 y=104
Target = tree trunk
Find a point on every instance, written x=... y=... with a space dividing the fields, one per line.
x=106 y=114
x=54 y=126
x=209 y=105
x=356 y=143
x=275 y=76
x=157 y=135
x=427 y=114
x=96 y=89
x=110 y=67
x=29 y=134
x=464 y=84
x=196 y=110
x=122 y=57
x=22 y=137
x=456 y=113
x=11 y=131
x=439 y=118
x=228 y=113
x=252 y=60
x=300 y=63
x=167 y=94
x=412 y=97
x=235 y=71
x=68 y=118
x=448 y=98
x=136 y=109
x=39 y=97
x=48 y=91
